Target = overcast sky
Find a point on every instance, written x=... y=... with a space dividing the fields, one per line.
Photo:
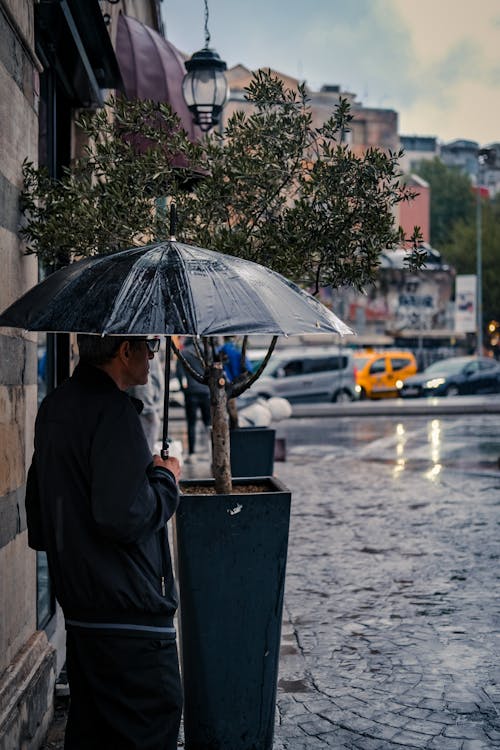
x=436 y=62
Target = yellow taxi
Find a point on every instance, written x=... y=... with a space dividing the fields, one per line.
x=381 y=374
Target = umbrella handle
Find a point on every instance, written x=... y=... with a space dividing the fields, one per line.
x=164 y=453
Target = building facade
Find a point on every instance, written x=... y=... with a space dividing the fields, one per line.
x=416 y=213
x=370 y=127
x=26 y=657
x=417 y=148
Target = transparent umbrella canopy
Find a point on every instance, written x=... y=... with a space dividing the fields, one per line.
x=167 y=289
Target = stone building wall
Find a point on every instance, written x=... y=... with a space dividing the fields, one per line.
x=27 y=663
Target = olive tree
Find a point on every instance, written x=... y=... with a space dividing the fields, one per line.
x=271 y=188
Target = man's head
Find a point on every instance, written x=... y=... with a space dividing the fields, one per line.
x=125 y=359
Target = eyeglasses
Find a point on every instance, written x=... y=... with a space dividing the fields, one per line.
x=153 y=345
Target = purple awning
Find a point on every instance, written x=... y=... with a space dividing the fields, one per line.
x=152 y=68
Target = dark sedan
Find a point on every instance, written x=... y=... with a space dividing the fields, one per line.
x=453 y=377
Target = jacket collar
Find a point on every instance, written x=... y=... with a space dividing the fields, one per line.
x=95 y=376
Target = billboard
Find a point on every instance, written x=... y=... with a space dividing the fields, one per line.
x=466 y=303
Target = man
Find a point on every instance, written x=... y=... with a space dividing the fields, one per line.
x=196 y=394
x=98 y=502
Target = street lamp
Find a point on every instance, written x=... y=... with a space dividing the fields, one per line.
x=485 y=157
x=204 y=86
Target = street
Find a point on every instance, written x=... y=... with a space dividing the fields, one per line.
x=390 y=635
x=391 y=628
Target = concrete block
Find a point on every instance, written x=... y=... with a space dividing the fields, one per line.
x=26 y=695
x=12 y=449
x=18 y=592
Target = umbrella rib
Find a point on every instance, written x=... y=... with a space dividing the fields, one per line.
x=185 y=292
x=122 y=296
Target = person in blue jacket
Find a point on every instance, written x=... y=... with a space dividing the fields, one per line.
x=98 y=502
x=231 y=359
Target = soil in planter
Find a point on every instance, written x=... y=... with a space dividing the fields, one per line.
x=239 y=489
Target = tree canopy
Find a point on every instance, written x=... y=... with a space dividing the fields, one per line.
x=272 y=188
x=452 y=198
x=461 y=253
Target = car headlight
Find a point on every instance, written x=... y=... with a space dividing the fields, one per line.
x=357 y=388
x=399 y=384
x=434 y=383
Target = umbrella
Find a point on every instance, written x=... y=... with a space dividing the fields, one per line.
x=170 y=288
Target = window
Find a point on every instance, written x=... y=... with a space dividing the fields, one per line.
x=400 y=364
x=45 y=601
x=294 y=367
x=377 y=367
x=485 y=365
x=325 y=364
x=471 y=368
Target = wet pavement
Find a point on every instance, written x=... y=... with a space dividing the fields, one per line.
x=391 y=631
x=391 y=634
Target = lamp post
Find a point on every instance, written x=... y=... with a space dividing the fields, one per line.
x=204 y=86
x=485 y=157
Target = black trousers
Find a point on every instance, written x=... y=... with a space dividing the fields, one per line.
x=193 y=402
x=125 y=693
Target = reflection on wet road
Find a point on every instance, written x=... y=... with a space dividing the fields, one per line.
x=469 y=444
x=392 y=626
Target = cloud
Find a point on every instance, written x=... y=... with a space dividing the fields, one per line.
x=436 y=62
x=364 y=47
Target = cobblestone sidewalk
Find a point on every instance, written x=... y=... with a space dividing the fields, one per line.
x=391 y=632
x=391 y=636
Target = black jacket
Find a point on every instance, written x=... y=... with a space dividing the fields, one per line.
x=190 y=385
x=98 y=507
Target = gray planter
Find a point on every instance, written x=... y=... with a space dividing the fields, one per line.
x=231 y=558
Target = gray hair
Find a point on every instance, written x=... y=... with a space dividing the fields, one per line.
x=97 y=350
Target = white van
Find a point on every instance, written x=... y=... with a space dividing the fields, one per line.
x=308 y=373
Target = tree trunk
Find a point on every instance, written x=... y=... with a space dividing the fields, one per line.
x=220 y=430
x=233 y=414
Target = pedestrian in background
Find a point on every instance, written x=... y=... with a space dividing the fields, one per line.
x=230 y=355
x=231 y=359
x=151 y=396
x=98 y=503
x=196 y=394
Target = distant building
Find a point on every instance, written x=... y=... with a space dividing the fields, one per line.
x=416 y=213
x=371 y=127
x=490 y=176
x=417 y=148
x=400 y=300
x=462 y=155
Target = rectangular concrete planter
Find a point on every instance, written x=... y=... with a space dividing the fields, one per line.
x=231 y=558
x=252 y=451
